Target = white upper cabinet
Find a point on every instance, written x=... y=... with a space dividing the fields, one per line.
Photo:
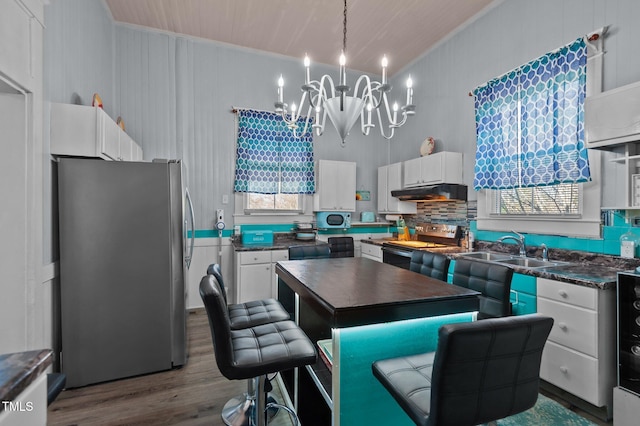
x=441 y=167
x=335 y=186
x=390 y=179
x=613 y=117
x=85 y=131
x=19 y=32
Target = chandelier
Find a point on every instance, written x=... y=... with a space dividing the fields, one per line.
x=343 y=109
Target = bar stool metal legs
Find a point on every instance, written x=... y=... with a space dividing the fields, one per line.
x=238 y=411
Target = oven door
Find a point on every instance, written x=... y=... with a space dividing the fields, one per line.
x=397 y=256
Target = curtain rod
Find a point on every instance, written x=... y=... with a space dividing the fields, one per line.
x=591 y=37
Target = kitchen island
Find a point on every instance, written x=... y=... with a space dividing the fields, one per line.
x=366 y=311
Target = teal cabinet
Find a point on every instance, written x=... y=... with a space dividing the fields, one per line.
x=523 y=294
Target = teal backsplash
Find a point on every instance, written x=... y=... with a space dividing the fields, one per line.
x=609 y=243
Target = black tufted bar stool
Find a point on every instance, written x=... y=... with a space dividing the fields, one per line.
x=254 y=352
x=481 y=371
x=493 y=281
x=433 y=265
x=319 y=251
x=245 y=315
x=341 y=246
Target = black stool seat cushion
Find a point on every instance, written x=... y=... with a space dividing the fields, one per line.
x=254 y=351
x=408 y=379
x=481 y=371
x=250 y=314
x=269 y=348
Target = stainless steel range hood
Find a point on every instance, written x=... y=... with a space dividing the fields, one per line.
x=441 y=192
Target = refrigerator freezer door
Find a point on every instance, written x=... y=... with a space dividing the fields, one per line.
x=115 y=269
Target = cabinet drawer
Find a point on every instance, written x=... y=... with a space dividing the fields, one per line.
x=253 y=257
x=571 y=371
x=568 y=293
x=573 y=327
x=371 y=250
x=279 y=255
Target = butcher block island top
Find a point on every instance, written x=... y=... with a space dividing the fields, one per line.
x=358 y=291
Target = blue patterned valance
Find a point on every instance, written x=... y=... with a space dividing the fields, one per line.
x=530 y=123
x=270 y=159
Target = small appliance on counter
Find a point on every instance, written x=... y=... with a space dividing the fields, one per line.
x=304 y=231
x=367 y=217
x=257 y=237
x=333 y=220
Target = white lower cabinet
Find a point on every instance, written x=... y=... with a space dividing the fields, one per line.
x=371 y=251
x=579 y=356
x=255 y=274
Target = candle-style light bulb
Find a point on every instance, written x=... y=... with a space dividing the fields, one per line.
x=293 y=109
x=307 y=63
x=369 y=109
x=343 y=71
x=409 y=91
x=385 y=62
x=280 y=89
x=395 y=112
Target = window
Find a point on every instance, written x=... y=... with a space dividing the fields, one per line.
x=273 y=202
x=274 y=168
x=561 y=200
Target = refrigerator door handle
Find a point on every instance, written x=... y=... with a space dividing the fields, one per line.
x=193 y=228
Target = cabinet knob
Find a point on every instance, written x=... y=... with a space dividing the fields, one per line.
x=563 y=293
x=564 y=369
x=563 y=326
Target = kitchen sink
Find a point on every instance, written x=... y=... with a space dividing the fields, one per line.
x=486 y=255
x=528 y=262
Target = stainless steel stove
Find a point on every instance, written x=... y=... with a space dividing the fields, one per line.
x=429 y=236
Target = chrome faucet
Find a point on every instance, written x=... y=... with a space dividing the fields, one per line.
x=519 y=239
x=545 y=252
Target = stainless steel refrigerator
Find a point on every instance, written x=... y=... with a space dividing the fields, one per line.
x=125 y=245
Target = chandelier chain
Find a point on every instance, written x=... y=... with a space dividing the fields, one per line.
x=344 y=30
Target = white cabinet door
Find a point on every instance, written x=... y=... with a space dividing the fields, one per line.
x=255 y=282
x=431 y=169
x=336 y=186
x=412 y=172
x=16 y=43
x=109 y=142
x=126 y=147
x=390 y=179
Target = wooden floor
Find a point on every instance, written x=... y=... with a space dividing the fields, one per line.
x=192 y=395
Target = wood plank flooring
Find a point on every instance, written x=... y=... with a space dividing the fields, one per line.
x=192 y=395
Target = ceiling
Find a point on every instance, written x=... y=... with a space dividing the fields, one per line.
x=401 y=29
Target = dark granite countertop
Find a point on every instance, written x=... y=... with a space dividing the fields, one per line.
x=584 y=268
x=19 y=370
x=279 y=243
